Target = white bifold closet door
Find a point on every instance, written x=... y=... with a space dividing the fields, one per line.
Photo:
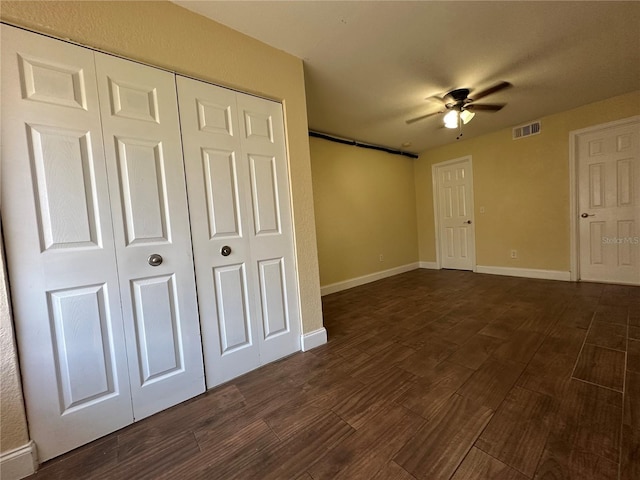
x=150 y=217
x=103 y=336
x=59 y=241
x=237 y=179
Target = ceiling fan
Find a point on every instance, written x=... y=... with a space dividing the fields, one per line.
x=459 y=107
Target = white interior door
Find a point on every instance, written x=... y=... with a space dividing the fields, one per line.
x=217 y=188
x=237 y=178
x=60 y=247
x=150 y=218
x=454 y=207
x=271 y=229
x=609 y=204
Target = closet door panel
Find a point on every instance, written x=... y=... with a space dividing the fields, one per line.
x=143 y=187
x=218 y=193
x=151 y=225
x=220 y=174
x=59 y=242
x=233 y=307
x=273 y=295
x=271 y=236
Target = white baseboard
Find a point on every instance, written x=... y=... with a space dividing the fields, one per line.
x=429 y=265
x=526 y=272
x=19 y=462
x=313 y=339
x=356 y=282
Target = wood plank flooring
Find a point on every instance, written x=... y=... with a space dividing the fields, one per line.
x=432 y=375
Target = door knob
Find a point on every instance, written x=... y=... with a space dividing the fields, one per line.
x=225 y=251
x=154 y=259
x=468 y=222
x=585 y=215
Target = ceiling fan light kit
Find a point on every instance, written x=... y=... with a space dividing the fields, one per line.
x=460 y=109
x=466 y=116
x=451 y=119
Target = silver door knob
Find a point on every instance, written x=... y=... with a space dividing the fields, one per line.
x=225 y=251
x=154 y=259
x=585 y=215
x=468 y=221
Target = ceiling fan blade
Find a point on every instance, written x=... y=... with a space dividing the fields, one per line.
x=417 y=119
x=483 y=107
x=436 y=98
x=496 y=88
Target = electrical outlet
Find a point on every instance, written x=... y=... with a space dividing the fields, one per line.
x=482 y=210
x=514 y=254
x=381 y=258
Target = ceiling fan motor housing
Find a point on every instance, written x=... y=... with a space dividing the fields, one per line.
x=459 y=97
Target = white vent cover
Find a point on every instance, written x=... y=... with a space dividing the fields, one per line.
x=527 y=130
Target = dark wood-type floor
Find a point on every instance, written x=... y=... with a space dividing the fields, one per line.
x=432 y=375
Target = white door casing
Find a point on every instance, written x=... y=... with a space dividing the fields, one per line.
x=453 y=208
x=150 y=217
x=608 y=195
x=237 y=178
x=60 y=248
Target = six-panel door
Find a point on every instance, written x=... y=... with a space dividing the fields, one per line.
x=455 y=215
x=60 y=246
x=150 y=217
x=218 y=207
x=609 y=204
x=271 y=230
x=237 y=178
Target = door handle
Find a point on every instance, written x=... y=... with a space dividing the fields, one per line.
x=225 y=251
x=585 y=215
x=154 y=259
x=468 y=222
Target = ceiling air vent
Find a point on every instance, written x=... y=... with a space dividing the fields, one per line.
x=527 y=130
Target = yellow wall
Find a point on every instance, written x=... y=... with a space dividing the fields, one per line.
x=165 y=35
x=365 y=206
x=523 y=185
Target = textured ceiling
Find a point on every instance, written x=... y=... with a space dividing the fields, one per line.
x=371 y=65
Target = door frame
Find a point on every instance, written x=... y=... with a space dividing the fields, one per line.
x=436 y=210
x=574 y=227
